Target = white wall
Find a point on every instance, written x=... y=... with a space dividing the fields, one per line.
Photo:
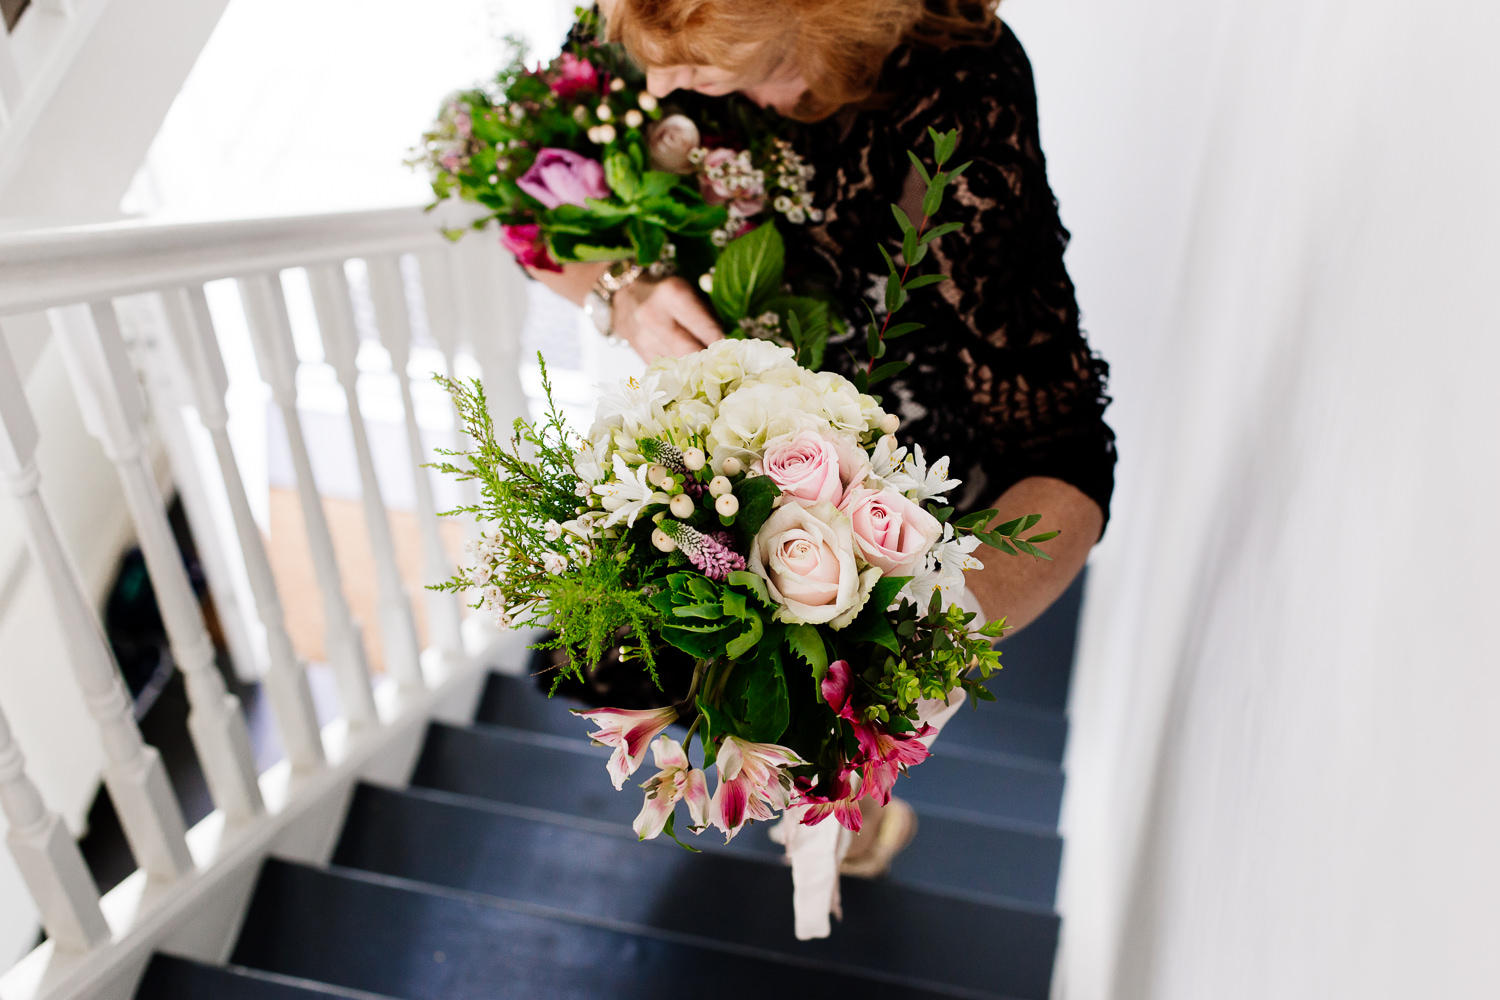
x=1282 y=778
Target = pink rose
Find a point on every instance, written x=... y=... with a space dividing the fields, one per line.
x=806 y=555
x=573 y=74
x=527 y=244
x=890 y=531
x=806 y=465
x=563 y=177
x=668 y=143
x=854 y=462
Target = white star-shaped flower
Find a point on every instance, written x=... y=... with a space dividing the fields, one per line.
x=628 y=494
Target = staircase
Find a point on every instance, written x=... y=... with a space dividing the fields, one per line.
x=507 y=868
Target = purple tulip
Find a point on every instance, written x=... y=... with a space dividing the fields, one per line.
x=563 y=177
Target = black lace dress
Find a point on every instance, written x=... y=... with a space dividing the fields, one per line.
x=1001 y=379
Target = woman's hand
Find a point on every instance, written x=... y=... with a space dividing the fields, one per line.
x=663 y=318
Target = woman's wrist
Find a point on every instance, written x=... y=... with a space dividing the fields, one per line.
x=599 y=303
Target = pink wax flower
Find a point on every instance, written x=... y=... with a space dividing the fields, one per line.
x=676 y=779
x=563 y=177
x=464 y=124
x=884 y=755
x=806 y=465
x=527 y=244
x=573 y=74
x=890 y=531
x=630 y=733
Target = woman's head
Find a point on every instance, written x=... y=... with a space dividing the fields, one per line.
x=808 y=58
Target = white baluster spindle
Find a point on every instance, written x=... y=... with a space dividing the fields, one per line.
x=393 y=318
x=492 y=309
x=48 y=857
x=275 y=353
x=191 y=328
x=114 y=412
x=133 y=771
x=330 y=293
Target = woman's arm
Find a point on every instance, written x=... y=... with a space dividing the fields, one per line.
x=1021 y=587
x=656 y=318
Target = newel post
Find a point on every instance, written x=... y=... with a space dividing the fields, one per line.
x=133 y=771
x=114 y=412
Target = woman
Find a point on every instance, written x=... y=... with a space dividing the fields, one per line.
x=1001 y=379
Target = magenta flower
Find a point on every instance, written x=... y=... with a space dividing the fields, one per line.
x=841 y=802
x=572 y=75
x=884 y=755
x=835 y=688
x=527 y=244
x=563 y=177
x=753 y=783
x=676 y=779
x=630 y=733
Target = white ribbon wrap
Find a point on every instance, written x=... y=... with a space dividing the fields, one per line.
x=815 y=852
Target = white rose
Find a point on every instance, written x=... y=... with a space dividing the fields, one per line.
x=806 y=555
x=668 y=143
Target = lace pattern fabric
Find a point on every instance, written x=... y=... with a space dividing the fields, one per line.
x=1002 y=379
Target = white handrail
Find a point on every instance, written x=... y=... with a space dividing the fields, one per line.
x=43 y=269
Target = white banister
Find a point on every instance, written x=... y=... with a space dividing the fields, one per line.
x=133 y=771
x=331 y=302
x=492 y=308
x=393 y=318
x=47 y=856
x=275 y=353
x=191 y=328
x=57 y=267
x=114 y=412
x=11 y=88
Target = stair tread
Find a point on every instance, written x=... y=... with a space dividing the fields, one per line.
x=415 y=942
x=941 y=938
x=557 y=772
x=168 y=977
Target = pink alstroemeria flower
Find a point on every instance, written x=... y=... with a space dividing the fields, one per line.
x=884 y=755
x=630 y=733
x=753 y=783
x=841 y=802
x=835 y=688
x=676 y=780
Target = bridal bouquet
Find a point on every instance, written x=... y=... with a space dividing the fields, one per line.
x=764 y=519
x=577 y=162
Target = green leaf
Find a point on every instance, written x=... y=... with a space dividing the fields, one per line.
x=621 y=176
x=753 y=582
x=912 y=250
x=933 y=199
x=975 y=519
x=902 y=220
x=656 y=183
x=671 y=831
x=734 y=604
x=702 y=588
x=888 y=369
x=1045 y=536
x=1010 y=527
x=717 y=724
x=648 y=240
x=872 y=341
x=757 y=497
x=916 y=161
x=941 y=513
x=807 y=642
x=959 y=169
x=938 y=232
x=1030 y=522
x=749 y=272
x=1007 y=548
x=895 y=272
x=703 y=645
x=756 y=693
x=747 y=639
x=714 y=610
x=923 y=280
x=895 y=296
x=943 y=144
x=902 y=329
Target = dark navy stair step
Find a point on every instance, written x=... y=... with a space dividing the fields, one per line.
x=925 y=935
x=1002 y=727
x=415 y=942
x=172 y=978
x=567 y=775
x=962 y=850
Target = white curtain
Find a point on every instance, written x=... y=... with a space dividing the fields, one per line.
x=1284 y=769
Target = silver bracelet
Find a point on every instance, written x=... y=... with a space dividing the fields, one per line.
x=599 y=304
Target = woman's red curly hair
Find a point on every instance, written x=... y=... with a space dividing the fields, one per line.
x=840 y=45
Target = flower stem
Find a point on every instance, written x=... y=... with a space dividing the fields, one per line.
x=905 y=271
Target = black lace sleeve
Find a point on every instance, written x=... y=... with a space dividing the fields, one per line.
x=1001 y=379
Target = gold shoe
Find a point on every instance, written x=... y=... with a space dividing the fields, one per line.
x=898 y=825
